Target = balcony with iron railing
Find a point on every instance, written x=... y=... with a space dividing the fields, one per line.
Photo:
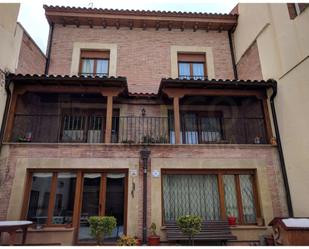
x=54 y=128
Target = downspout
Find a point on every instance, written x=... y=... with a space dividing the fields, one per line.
x=50 y=39
x=6 y=108
x=280 y=151
x=144 y=156
x=233 y=55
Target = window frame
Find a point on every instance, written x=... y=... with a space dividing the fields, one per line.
x=219 y=173
x=94 y=55
x=78 y=194
x=51 y=199
x=199 y=115
x=192 y=58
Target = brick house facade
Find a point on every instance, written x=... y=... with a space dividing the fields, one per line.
x=205 y=130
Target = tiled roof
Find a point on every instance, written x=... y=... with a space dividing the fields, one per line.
x=136 y=12
x=58 y=76
x=139 y=18
x=216 y=83
x=78 y=80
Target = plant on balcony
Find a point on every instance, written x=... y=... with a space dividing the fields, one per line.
x=190 y=225
x=101 y=226
x=127 y=141
x=153 y=238
x=161 y=140
x=148 y=139
x=126 y=241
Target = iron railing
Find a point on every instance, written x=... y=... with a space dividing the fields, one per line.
x=55 y=128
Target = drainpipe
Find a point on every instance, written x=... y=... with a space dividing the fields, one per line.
x=280 y=151
x=144 y=156
x=50 y=39
x=6 y=108
x=232 y=55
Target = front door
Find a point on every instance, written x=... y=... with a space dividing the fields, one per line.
x=102 y=194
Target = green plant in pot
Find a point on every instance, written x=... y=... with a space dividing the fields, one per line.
x=101 y=226
x=190 y=225
x=126 y=241
x=153 y=238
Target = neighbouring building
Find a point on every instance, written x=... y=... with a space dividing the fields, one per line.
x=18 y=52
x=139 y=115
x=272 y=41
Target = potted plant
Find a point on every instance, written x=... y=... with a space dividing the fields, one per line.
x=231 y=219
x=138 y=241
x=153 y=239
x=101 y=226
x=126 y=241
x=190 y=225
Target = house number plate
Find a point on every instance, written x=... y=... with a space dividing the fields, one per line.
x=156 y=173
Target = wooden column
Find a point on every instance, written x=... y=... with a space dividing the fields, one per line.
x=11 y=117
x=109 y=115
x=176 y=119
x=267 y=120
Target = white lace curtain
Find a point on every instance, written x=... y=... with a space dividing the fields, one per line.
x=87 y=67
x=191 y=194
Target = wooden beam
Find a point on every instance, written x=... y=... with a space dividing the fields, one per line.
x=195 y=27
x=176 y=119
x=169 y=27
x=171 y=92
x=182 y=27
x=77 y=199
x=109 y=114
x=221 y=196
x=90 y=23
x=158 y=25
x=11 y=117
x=144 y=26
x=269 y=133
x=117 y=24
x=77 y=23
x=104 y=24
x=130 y=24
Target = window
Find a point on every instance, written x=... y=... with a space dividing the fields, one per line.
x=69 y=198
x=191 y=66
x=213 y=195
x=52 y=198
x=94 y=63
x=85 y=125
x=198 y=127
x=296 y=9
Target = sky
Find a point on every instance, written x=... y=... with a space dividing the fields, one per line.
x=32 y=16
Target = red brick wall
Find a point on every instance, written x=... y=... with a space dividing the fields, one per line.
x=31 y=60
x=143 y=55
x=249 y=66
x=253 y=154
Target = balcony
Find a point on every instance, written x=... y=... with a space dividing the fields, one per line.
x=53 y=128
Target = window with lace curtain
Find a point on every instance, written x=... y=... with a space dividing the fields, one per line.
x=94 y=63
x=191 y=66
x=213 y=195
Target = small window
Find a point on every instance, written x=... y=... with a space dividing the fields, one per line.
x=296 y=9
x=94 y=63
x=191 y=66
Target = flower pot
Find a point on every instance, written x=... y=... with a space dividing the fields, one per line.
x=153 y=240
x=138 y=242
x=232 y=220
